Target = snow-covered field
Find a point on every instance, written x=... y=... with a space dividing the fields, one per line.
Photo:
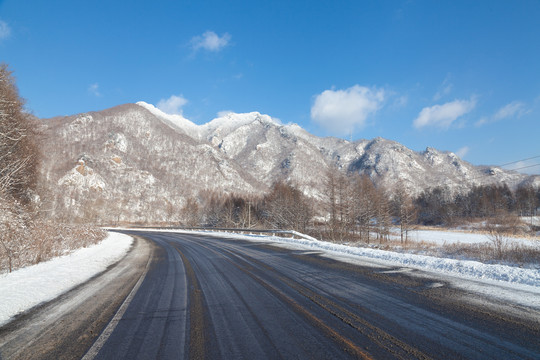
x=531 y=220
x=462 y=237
x=30 y=286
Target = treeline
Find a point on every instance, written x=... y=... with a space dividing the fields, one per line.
x=353 y=208
x=437 y=206
x=284 y=207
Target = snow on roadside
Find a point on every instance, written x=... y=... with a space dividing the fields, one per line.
x=469 y=268
x=464 y=268
x=506 y=283
x=25 y=288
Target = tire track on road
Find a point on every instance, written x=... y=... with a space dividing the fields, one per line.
x=250 y=266
x=197 y=322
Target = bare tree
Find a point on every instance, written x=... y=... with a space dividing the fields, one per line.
x=18 y=151
x=190 y=213
x=364 y=206
x=497 y=234
x=339 y=204
x=404 y=211
x=287 y=208
x=383 y=214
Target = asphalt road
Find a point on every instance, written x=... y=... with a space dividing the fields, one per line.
x=214 y=298
x=180 y=296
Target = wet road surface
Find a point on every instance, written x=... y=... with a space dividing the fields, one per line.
x=206 y=297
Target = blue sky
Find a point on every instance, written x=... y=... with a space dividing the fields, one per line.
x=462 y=76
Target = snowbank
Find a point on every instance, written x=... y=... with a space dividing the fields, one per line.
x=30 y=286
x=467 y=268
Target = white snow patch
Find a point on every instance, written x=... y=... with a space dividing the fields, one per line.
x=224 y=125
x=218 y=127
x=28 y=287
x=441 y=237
x=176 y=122
x=84 y=178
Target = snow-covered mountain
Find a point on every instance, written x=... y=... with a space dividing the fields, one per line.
x=134 y=162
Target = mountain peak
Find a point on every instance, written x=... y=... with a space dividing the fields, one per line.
x=235 y=120
x=175 y=121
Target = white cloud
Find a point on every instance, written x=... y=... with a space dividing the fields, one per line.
x=514 y=109
x=444 y=89
x=444 y=115
x=94 y=89
x=401 y=101
x=484 y=120
x=210 y=41
x=5 y=30
x=463 y=151
x=172 y=105
x=342 y=111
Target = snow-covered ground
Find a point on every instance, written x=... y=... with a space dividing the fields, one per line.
x=30 y=286
x=531 y=220
x=440 y=237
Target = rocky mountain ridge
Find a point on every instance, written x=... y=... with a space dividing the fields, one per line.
x=136 y=163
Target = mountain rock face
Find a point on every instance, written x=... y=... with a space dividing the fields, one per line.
x=136 y=163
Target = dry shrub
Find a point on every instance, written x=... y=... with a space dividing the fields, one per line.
x=23 y=244
x=482 y=252
x=488 y=253
x=504 y=251
x=13 y=232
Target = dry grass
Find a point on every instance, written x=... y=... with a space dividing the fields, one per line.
x=504 y=250
x=488 y=253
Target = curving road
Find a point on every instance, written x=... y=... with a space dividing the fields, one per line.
x=187 y=296
x=206 y=297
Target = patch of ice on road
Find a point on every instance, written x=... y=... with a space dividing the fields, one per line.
x=25 y=288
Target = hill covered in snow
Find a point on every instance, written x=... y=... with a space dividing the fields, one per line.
x=134 y=162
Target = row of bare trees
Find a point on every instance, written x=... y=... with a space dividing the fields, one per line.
x=352 y=208
x=284 y=207
x=439 y=206
x=356 y=208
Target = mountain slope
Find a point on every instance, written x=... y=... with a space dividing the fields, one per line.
x=128 y=163
x=135 y=163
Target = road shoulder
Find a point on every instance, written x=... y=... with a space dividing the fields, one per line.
x=67 y=326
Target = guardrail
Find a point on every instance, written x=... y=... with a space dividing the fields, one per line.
x=269 y=232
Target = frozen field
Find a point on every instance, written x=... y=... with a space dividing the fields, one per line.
x=440 y=237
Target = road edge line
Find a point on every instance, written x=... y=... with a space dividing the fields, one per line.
x=98 y=344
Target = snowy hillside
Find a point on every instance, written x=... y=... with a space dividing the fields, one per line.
x=125 y=162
